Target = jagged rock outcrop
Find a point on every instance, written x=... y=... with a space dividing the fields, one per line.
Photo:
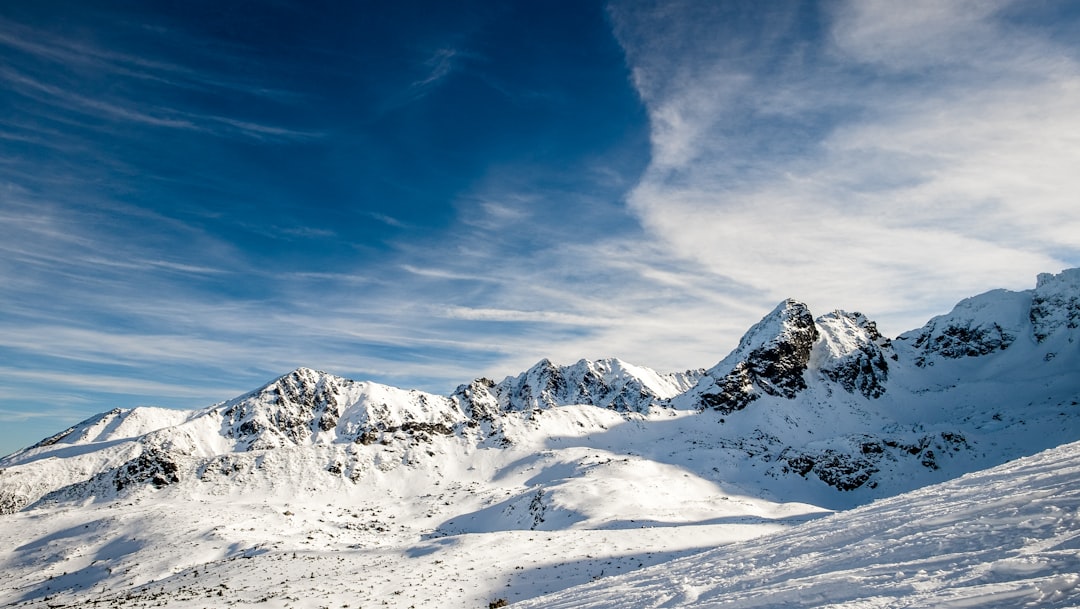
x=1055 y=304
x=976 y=326
x=853 y=354
x=854 y=461
x=478 y=400
x=156 y=467
x=771 y=359
x=289 y=410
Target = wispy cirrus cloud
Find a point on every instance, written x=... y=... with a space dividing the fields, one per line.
x=441 y=64
x=122 y=385
x=54 y=71
x=518 y=279
x=895 y=161
x=488 y=314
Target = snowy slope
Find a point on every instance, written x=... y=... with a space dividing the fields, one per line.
x=1004 y=537
x=576 y=471
x=838 y=405
x=442 y=522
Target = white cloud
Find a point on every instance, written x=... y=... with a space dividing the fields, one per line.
x=57 y=98
x=921 y=154
x=915 y=34
x=125 y=385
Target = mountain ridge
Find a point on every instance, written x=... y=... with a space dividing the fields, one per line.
x=810 y=398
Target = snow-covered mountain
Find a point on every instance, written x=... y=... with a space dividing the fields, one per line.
x=806 y=414
x=608 y=383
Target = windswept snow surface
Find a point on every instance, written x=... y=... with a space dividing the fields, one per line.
x=1004 y=537
x=444 y=523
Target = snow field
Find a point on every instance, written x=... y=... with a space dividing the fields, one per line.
x=1006 y=537
x=327 y=551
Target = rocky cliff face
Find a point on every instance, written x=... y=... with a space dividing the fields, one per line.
x=1055 y=305
x=309 y=407
x=771 y=359
x=789 y=368
x=293 y=409
x=853 y=354
x=977 y=326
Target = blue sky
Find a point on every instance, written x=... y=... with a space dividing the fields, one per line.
x=197 y=197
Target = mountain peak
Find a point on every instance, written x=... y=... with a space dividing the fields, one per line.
x=607 y=383
x=797 y=366
x=304 y=371
x=789 y=321
x=771 y=359
x=288 y=410
x=853 y=353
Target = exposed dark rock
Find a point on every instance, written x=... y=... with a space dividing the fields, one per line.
x=604 y=383
x=1055 y=303
x=537 y=509
x=154 y=466
x=291 y=409
x=477 y=400
x=976 y=327
x=419 y=431
x=967 y=340
x=854 y=467
x=771 y=359
x=844 y=471
x=859 y=363
x=734 y=391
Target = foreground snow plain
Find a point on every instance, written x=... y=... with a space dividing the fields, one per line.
x=1004 y=537
x=493 y=523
